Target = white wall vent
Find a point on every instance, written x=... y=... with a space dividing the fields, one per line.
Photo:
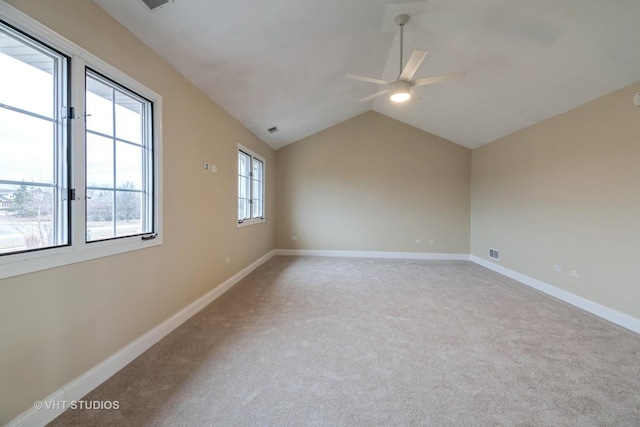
x=156 y=4
x=494 y=254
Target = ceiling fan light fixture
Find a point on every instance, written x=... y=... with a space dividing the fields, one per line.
x=400 y=91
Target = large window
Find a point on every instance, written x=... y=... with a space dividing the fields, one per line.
x=79 y=153
x=33 y=144
x=119 y=160
x=250 y=187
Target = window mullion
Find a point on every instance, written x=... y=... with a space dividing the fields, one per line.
x=61 y=158
x=250 y=187
x=115 y=170
x=78 y=154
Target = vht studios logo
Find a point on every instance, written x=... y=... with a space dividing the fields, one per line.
x=76 y=404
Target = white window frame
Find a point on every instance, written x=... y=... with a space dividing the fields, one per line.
x=253 y=155
x=146 y=190
x=79 y=250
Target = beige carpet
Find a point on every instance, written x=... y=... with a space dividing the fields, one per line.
x=370 y=342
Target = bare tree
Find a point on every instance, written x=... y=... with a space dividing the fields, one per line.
x=127 y=202
x=33 y=215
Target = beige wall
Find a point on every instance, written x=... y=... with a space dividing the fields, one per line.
x=372 y=183
x=56 y=324
x=566 y=191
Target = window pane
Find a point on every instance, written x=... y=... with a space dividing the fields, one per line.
x=99 y=107
x=243 y=209
x=128 y=166
x=26 y=148
x=257 y=179
x=128 y=118
x=257 y=188
x=244 y=160
x=99 y=215
x=257 y=169
x=26 y=77
x=128 y=213
x=99 y=161
x=257 y=208
x=244 y=194
x=27 y=218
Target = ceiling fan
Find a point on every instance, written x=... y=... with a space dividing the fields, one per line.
x=401 y=89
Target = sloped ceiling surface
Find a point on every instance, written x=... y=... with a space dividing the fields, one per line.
x=282 y=62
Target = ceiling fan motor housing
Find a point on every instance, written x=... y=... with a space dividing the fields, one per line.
x=398 y=88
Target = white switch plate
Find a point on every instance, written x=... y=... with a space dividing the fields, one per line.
x=214 y=169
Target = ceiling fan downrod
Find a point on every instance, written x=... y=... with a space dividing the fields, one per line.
x=401 y=20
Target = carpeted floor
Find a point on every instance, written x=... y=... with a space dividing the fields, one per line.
x=371 y=342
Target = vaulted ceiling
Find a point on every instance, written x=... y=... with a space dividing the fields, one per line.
x=282 y=62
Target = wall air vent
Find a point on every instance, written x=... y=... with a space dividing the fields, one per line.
x=273 y=129
x=494 y=254
x=156 y=4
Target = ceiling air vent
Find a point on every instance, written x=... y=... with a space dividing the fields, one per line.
x=273 y=129
x=156 y=4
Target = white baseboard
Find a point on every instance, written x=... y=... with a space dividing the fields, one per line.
x=371 y=254
x=614 y=316
x=95 y=376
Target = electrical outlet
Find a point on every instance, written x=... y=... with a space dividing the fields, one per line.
x=432 y=242
x=557 y=268
x=419 y=242
x=227 y=261
x=294 y=237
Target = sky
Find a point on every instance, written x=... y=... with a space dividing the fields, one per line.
x=27 y=143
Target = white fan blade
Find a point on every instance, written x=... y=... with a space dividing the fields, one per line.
x=375 y=95
x=438 y=79
x=414 y=62
x=367 y=79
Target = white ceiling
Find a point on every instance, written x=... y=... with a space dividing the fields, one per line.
x=282 y=62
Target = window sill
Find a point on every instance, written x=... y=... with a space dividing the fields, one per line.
x=250 y=222
x=31 y=262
